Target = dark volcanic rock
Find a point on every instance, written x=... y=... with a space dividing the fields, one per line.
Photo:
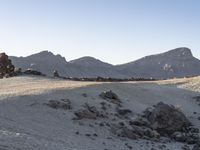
x=32 y=72
x=167 y=119
x=60 y=104
x=55 y=73
x=162 y=120
x=123 y=112
x=196 y=146
x=89 y=112
x=6 y=67
x=110 y=96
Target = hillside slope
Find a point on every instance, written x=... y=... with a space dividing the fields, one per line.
x=174 y=63
x=28 y=123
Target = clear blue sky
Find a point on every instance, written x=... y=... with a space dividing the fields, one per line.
x=115 y=31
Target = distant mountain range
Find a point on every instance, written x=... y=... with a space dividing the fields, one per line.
x=178 y=62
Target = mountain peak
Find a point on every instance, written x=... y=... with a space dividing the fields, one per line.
x=180 y=52
x=89 y=61
x=44 y=53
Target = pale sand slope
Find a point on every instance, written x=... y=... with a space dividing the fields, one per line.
x=27 y=124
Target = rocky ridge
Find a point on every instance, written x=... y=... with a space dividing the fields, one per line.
x=178 y=62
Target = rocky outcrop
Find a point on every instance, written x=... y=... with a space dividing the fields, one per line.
x=166 y=119
x=6 y=66
x=161 y=121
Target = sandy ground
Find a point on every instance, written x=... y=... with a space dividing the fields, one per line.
x=27 y=124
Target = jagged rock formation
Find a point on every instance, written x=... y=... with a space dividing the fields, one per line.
x=174 y=63
x=6 y=66
x=161 y=121
x=166 y=119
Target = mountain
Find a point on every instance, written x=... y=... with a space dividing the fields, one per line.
x=178 y=62
x=47 y=62
x=88 y=61
x=92 y=67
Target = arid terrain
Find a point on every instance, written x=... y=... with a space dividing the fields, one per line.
x=27 y=122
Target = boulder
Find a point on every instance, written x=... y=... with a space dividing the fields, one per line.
x=6 y=66
x=110 y=96
x=56 y=74
x=166 y=119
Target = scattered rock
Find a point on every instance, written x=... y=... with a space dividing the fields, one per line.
x=88 y=134
x=128 y=146
x=123 y=112
x=197 y=98
x=60 y=104
x=185 y=147
x=196 y=147
x=103 y=106
x=77 y=133
x=179 y=136
x=84 y=95
x=89 y=112
x=33 y=72
x=110 y=96
x=140 y=121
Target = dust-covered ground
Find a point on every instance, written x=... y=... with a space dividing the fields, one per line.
x=27 y=123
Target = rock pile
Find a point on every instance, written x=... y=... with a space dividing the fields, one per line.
x=89 y=112
x=161 y=123
x=163 y=120
x=6 y=66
